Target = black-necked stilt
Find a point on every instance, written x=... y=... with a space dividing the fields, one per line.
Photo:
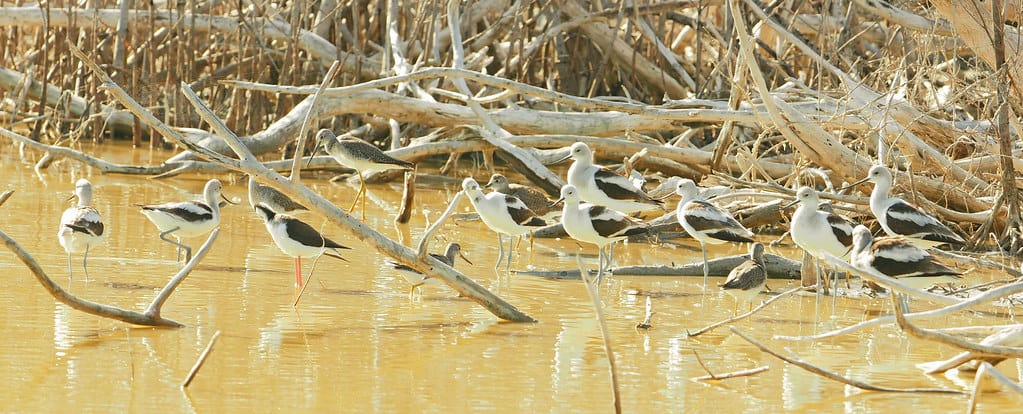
x=747 y=279
x=599 y=225
x=535 y=199
x=706 y=222
x=418 y=279
x=276 y=200
x=899 y=218
x=898 y=258
x=503 y=213
x=297 y=239
x=187 y=218
x=601 y=186
x=360 y=155
x=817 y=231
x=81 y=226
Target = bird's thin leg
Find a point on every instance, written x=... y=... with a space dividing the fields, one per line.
x=706 y=267
x=500 y=254
x=610 y=256
x=511 y=254
x=530 y=247
x=163 y=236
x=70 y=273
x=298 y=271
x=363 y=185
x=85 y=259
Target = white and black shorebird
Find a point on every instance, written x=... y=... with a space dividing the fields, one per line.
x=360 y=155
x=817 y=231
x=746 y=280
x=898 y=258
x=504 y=214
x=899 y=218
x=706 y=222
x=535 y=199
x=276 y=200
x=297 y=239
x=187 y=218
x=419 y=279
x=595 y=224
x=81 y=226
x=601 y=186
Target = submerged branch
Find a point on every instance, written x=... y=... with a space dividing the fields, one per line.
x=835 y=376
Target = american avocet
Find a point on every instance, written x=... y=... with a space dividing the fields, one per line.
x=276 y=200
x=360 y=155
x=535 y=199
x=503 y=213
x=418 y=279
x=817 y=231
x=599 y=225
x=898 y=258
x=297 y=239
x=706 y=222
x=187 y=218
x=81 y=226
x=747 y=279
x=601 y=186
x=899 y=218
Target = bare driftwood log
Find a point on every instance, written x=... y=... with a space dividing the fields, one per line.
x=150 y=317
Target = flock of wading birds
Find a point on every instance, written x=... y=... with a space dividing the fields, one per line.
x=597 y=204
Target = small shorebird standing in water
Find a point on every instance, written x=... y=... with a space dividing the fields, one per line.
x=418 y=279
x=899 y=218
x=81 y=226
x=706 y=222
x=596 y=224
x=504 y=214
x=598 y=185
x=817 y=231
x=187 y=218
x=297 y=239
x=360 y=155
x=747 y=279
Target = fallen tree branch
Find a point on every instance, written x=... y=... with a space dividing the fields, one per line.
x=835 y=376
x=734 y=319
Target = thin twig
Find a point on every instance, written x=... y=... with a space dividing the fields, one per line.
x=598 y=310
x=763 y=305
x=649 y=315
x=201 y=360
x=936 y=336
x=154 y=308
x=296 y=166
x=837 y=377
x=985 y=371
x=733 y=374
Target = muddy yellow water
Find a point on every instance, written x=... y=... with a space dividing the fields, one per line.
x=357 y=343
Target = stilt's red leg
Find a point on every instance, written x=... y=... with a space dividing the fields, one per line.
x=298 y=272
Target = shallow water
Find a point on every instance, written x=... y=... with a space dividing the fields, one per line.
x=357 y=343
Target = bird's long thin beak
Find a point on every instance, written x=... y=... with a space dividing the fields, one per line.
x=225 y=199
x=787 y=205
x=72 y=197
x=464 y=258
x=865 y=179
x=565 y=158
x=313 y=155
x=556 y=202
